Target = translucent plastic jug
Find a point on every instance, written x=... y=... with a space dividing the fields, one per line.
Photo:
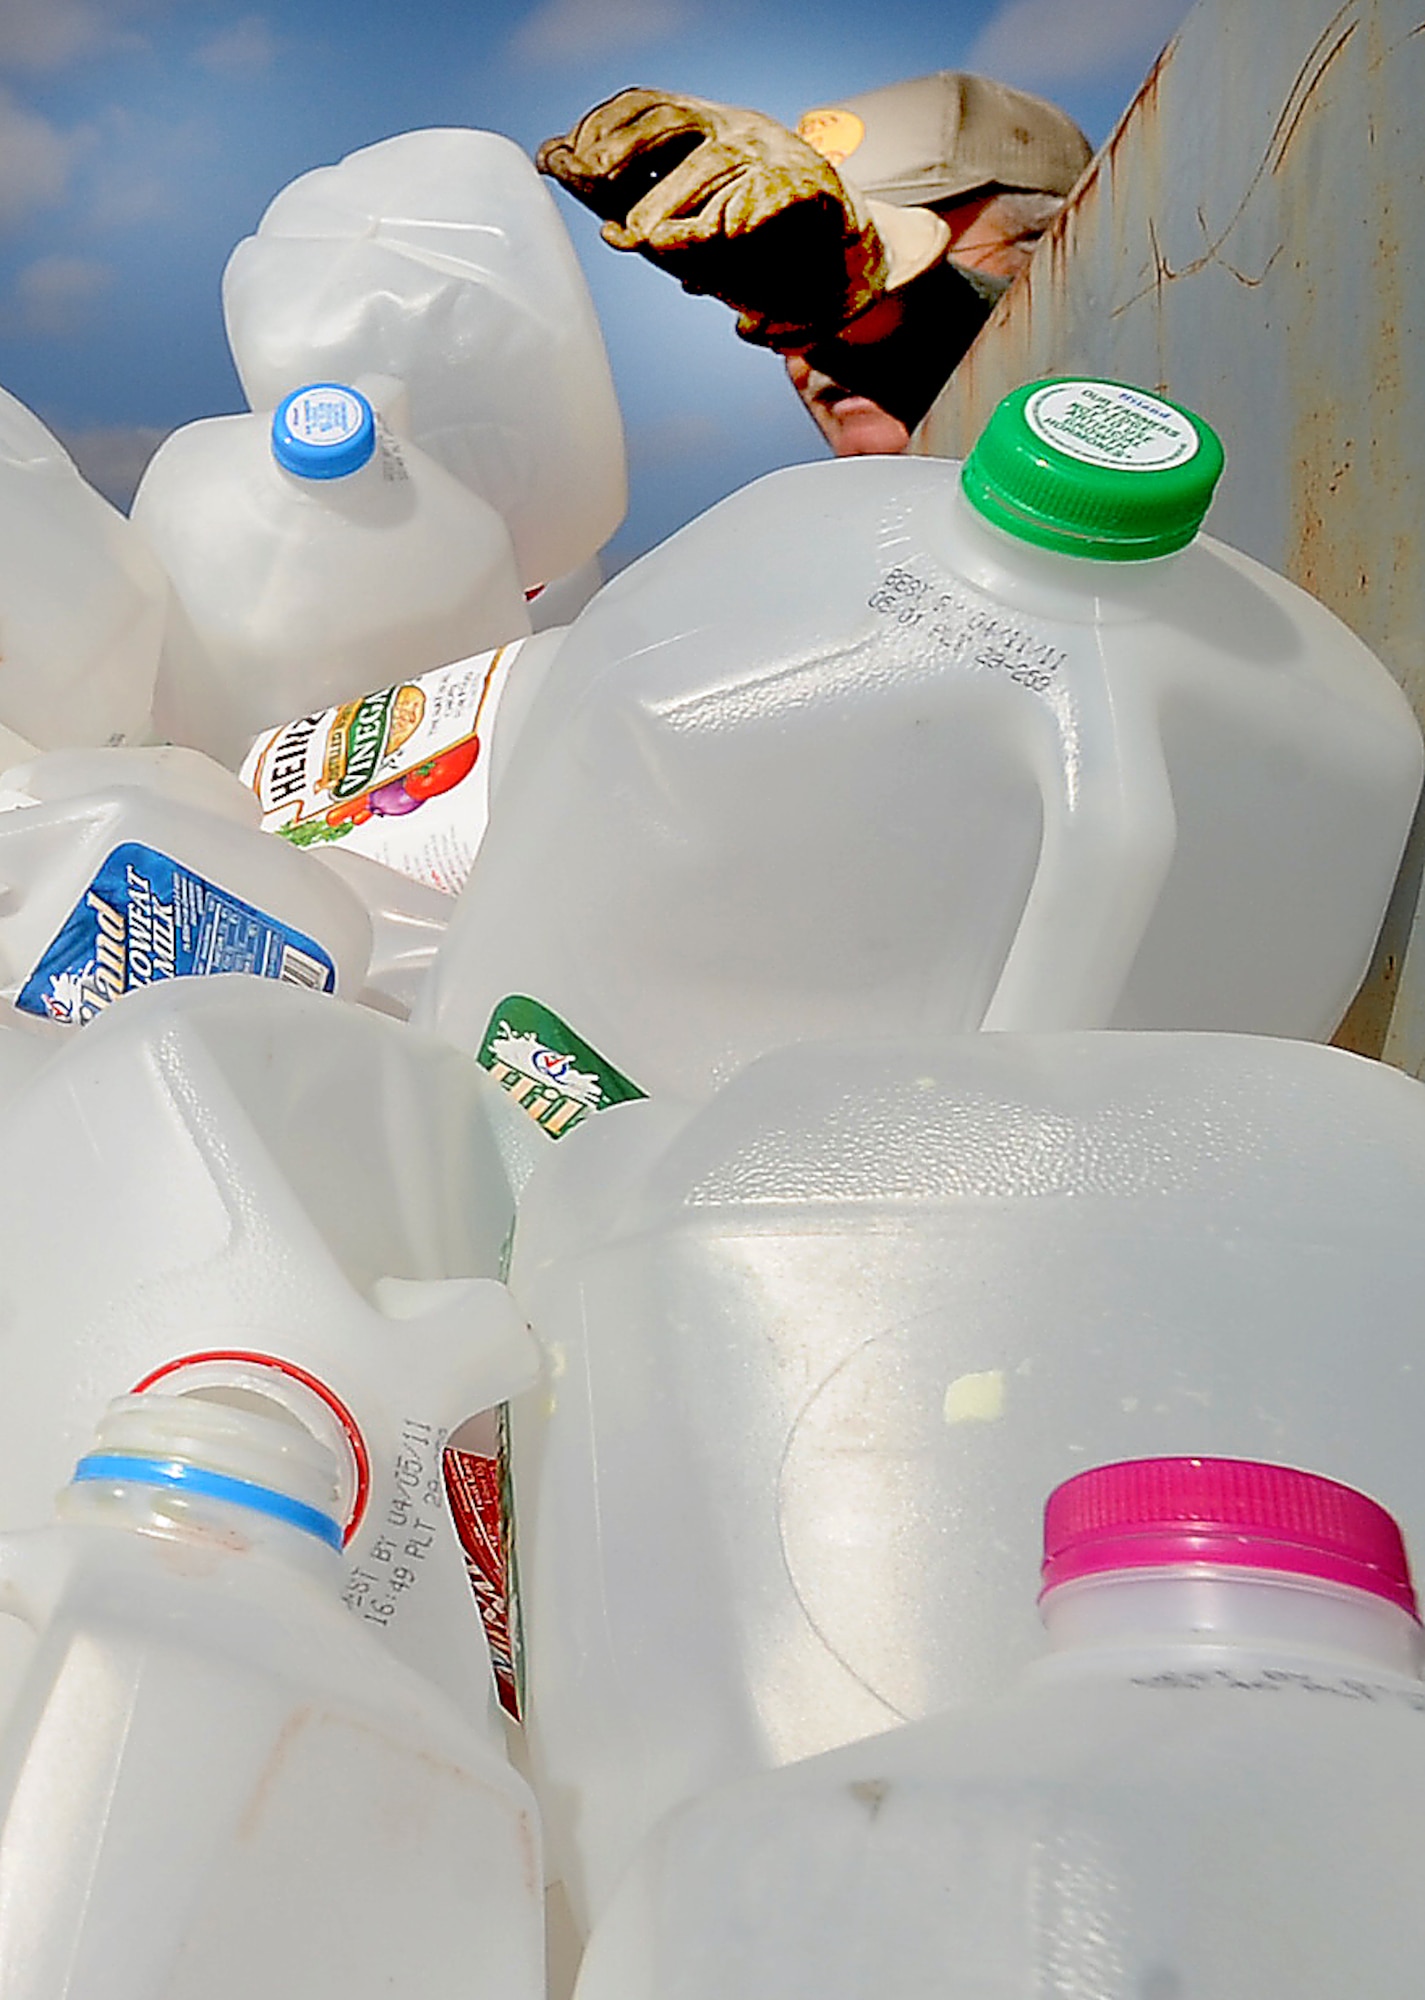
x=439 y=257
x=564 y=597
x=214 y=1782
x=229 y=1183
x=871 y=749
x=408 y=924
x=1213 y=1785
x=84 y=599
x=817 y=1351
x=125 y=868
x=313 y=555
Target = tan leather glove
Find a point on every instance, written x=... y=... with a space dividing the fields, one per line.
x=731 y=203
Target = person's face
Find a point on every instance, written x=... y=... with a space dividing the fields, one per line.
x=989 y=233
x=853 y=426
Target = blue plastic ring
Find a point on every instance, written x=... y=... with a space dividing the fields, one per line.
x=178 y=1473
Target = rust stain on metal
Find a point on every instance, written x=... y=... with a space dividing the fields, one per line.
x=1308 y=78
x=1103 y=160
x=1303 y=89
x=1165 y=273
x=1351 y=541
x=1367 y=1019
x=1353 y=536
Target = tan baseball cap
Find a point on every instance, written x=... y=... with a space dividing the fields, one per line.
x=938 y=136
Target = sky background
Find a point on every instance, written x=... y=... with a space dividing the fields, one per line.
x=141 y=139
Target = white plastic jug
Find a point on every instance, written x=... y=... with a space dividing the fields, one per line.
x=439 y=257
x=408 y=924
x=125 y=868
x=313 y=555
x=214 y=1782
x=561 y=600
x=816 y=1352
x=230 y=1183
x=1213 y=1785
x=851 y=756
x=84 y=599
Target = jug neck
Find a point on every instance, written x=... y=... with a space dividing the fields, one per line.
x=1045 y=582
x=1177 y=1612
x=1181 y=1554
x=229 y=1468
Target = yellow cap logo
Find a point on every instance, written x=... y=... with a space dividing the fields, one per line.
x=833 y=133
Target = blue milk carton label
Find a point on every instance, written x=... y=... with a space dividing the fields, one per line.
x=144 y=918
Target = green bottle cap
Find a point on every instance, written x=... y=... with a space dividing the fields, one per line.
x=1095 y=469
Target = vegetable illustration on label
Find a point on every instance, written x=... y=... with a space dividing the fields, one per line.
x=401 y=775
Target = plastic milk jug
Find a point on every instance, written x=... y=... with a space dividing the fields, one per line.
x=883 y=745
x=817 y=1351
x=232 y=1184
x=439 y=257
x=408 y=925
x=562 y=599
x=84 y=599
x=214 y=1783
x=313 y=555
x=124 y=868
x=1213 y=1784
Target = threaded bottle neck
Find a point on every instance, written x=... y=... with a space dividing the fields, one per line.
x=215 y=1450
x=1230 y=1552
x=1177 y=1613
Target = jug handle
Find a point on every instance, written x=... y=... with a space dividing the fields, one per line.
x=1110 y=832
x=474 y=1318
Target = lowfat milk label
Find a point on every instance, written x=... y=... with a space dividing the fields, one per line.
x=144 y=918
x=1102 y=423
x=402 y=775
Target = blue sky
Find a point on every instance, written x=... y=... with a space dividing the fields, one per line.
x=140 y=139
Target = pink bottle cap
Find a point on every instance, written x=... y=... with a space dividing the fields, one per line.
x=1231 y=1513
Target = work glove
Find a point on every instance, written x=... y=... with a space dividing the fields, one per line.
x=730 y=203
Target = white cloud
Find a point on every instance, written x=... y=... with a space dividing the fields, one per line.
x=112 y=457
x=47 y=34
x=247 y=48
x=142 y=168
x=54 y=293
x=574 y=30
x=1038 y=44
x=35 y=160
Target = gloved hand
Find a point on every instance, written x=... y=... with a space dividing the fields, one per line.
x=729 y=202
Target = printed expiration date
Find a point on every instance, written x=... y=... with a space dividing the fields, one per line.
x=972 y=634
x=414 y=1507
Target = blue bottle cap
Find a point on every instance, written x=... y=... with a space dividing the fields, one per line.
x=324 y=431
